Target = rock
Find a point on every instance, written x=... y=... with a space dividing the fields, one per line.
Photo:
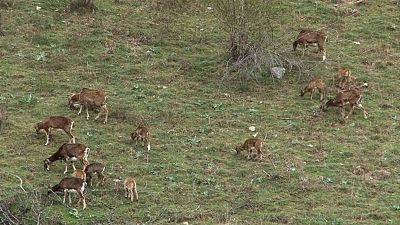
x=278 y=72
x=252 y=128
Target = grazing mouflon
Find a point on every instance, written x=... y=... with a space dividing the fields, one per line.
x=71 y=185
x=130 y=188
x=315 y=84
x=251 y=145
x=69 y=152
x=344 y=76
x=90 y=98
x=56 y=122
x=352 y=97
x=141 y=134
x=93 y=168
x=307 y=37
x=79 y=174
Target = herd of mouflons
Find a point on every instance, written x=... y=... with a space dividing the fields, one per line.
x=348 y=93
x=71 y=151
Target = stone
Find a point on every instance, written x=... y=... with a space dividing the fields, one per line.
x=278 y=72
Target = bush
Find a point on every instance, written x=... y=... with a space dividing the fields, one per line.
x=6 y=3
x=1 y=24
x=169 y=5
x=25 y=207
x=3 y=116
x=82 y=6
x=252 y=49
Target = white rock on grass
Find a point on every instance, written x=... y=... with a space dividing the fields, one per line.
x=278 y=72
x=252 y=128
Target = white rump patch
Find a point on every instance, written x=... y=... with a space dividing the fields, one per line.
x=71 y=190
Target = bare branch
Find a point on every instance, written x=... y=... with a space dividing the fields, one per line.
x=252 y=48
x=20 y=180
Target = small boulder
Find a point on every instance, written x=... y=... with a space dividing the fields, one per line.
x=252 y=128
x=278 y=72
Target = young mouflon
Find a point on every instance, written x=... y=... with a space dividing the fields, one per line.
x=130 y=188
x=253 y=146
x=141 y=134
x=312 y=86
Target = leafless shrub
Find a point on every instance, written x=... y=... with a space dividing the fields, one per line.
x=170 y=5
x=252 y=47
x=1 y=24
x=24 y=208
x=3 y=116
x=6 y=217
x=82 y=6
x=6 y=3
x=163 y=12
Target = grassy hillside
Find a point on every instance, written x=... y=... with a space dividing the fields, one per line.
x=161 y=66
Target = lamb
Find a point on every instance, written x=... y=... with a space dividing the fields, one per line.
x=250 y=145
x=95 y=168
x=79 y=174
x=344 y=76
x=130 y=188
x=70 y=185
x=307 y=37
x=90 y=97
x=56 y=122
x=315 y=84
x=352 y=97
x=69 y=152
x=141 y=134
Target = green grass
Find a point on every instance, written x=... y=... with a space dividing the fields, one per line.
x=165 y=72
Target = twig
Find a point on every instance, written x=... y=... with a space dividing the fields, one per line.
x=20 y=185
x=38 y=218
x=6 y=213
x=161 y=212
x=269 y=175
x=272 y=161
